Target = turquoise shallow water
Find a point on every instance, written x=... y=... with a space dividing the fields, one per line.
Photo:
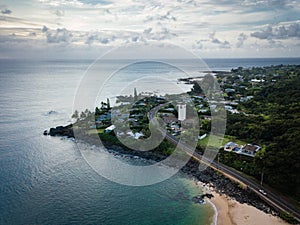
x=44 y=180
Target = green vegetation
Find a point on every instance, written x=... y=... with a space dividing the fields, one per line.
x=265 y=110
x=204 y=142
x=271 y=118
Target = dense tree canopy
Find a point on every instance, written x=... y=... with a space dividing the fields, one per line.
x=272 y=118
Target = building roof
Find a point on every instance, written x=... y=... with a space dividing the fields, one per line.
x=230 y=144
x=110 y=128
x=251 y=148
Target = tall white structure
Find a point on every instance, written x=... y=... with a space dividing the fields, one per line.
x=181 y=108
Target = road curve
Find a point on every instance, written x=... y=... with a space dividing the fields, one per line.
x=270 y=198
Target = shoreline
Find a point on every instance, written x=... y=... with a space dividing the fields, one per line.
x=230 y=212
x=226 y=192
x=216 y=213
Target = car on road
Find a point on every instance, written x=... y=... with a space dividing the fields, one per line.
x=262 y=191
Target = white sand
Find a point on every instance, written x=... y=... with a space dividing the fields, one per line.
x=231 y=212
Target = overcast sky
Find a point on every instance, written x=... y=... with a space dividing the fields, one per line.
x=209 y=28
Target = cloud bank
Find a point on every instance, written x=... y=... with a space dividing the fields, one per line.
x=212 y=28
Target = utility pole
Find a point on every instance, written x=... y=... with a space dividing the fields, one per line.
x=262 y=177
x=262 y=173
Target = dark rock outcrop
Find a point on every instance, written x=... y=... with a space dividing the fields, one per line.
x=62 y=131
x=223 y=185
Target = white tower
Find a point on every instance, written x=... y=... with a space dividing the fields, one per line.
x=181 y=108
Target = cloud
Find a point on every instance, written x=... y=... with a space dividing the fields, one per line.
x=57 y=36
x=264 y=34
x=147 y=31
x=6 y=11
x=198 y=45
x=163 y=34
x=214 y=40
x=135 y=39
x=241 y=39
x=75 y=3
x=278 y=4
x=59 y=13
x=279 y=32
x=275 y=44
x=264 y=2
x=45 y=29
x=98 y=38
x=239 y=24
x=167 y=16
x=94 y=2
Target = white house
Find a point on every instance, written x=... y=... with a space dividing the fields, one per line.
x=110 y=129
x=249 y=150
x=231 y=146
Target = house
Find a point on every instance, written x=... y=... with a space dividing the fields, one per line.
x=110 y=129
x=103 y=117
x=229 y=90
x=249 y=149
x=207 y=117
x=138 y=115
x=257 y=81
x=228 y=107
x=199 y=106
x=231 y=146
x=203 y=110
x=197 y=97
x=136 y=135
x=169 y=118
x=142 y=104
x=202 y=136
x=244 y=99
x=169 y=109
x=121 y=117
x=234 y=111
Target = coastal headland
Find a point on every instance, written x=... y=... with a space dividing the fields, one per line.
x=252 y=101
x=235 y=204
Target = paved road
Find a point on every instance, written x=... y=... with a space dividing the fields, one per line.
x=269 y=197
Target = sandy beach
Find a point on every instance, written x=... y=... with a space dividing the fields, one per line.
x=231 y=212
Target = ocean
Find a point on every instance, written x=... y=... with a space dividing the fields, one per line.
x=45 y=180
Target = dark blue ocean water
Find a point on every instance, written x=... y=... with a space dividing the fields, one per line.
x=44 y=180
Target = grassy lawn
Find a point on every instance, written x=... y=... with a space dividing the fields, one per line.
x=96 y=131
x=217 y=141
